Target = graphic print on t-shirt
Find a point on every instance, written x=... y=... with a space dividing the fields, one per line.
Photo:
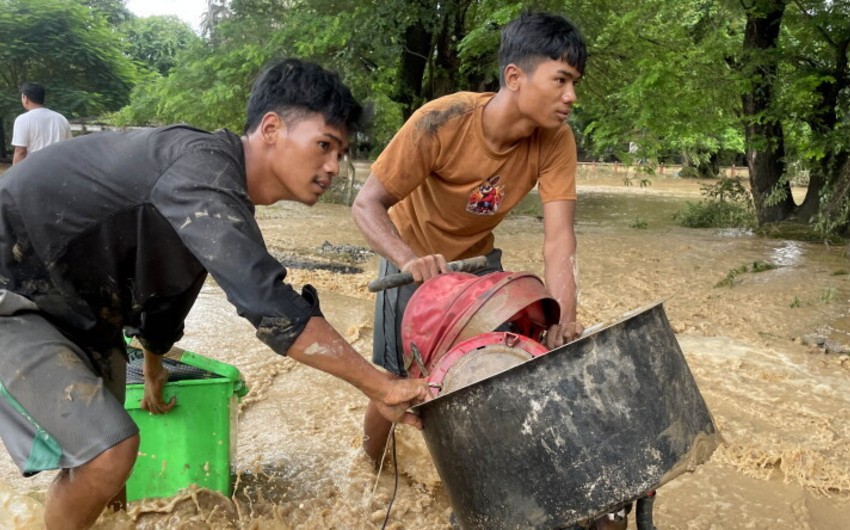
x=486 y=198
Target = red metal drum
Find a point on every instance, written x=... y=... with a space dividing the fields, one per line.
x=480 y=357
x=455 y=315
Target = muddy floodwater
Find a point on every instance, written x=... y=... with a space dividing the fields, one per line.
x=769 y=351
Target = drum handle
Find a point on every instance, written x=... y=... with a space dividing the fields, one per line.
x=404 y=278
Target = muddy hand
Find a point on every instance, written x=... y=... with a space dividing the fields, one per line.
x=560 y=334
x=403 y=394
x=156 y=376
x=426 y=267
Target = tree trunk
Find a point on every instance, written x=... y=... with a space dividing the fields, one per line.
x=414 y=59
x=836 y=208
x=701 y=166
x=710 y=168
x=823 y=122
x=445 y=75
x=764 y=135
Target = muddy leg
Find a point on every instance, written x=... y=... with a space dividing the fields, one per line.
x=78 y=496
x=375 y=431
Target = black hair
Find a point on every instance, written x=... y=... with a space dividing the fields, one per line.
x=294 y=88
x=34 y=92
x=535 y=36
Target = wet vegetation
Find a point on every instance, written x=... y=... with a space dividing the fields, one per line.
x=639 y=223
x=727 y=204
x=733 y=276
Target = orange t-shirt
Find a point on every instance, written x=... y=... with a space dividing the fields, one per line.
x=453 y=190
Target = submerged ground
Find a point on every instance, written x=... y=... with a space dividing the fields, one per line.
x=780 y=399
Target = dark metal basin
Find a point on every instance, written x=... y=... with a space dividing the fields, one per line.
x=574 y=433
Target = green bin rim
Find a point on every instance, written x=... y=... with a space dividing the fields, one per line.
x=227 y=371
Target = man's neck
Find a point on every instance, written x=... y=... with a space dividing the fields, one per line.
x=503 y=124
x=258 y=179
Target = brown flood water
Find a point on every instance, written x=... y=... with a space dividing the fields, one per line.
x=783 y=406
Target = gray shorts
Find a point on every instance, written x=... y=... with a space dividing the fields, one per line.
x=58 y=408
x=387 y=348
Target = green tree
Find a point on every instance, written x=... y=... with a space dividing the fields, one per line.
x=115 y=11
x=815 y=88
x=404 y=52
x=209 y=86
x=796 y=98
x=68 y=48
x=693 y=80
x=394 y=72
x=665 y=86
x=771 y=72
x=765 y=135
x=155 y=41
x=216 y=12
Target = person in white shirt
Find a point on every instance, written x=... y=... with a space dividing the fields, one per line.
x=39 y=126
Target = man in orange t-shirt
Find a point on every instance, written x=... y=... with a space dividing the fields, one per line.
x=458 y=166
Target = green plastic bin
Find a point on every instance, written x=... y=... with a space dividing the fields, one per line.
x=195 y=442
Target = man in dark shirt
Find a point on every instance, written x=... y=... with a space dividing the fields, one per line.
x=118 y=231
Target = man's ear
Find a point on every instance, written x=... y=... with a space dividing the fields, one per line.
x=270 y=125
x=513 y=75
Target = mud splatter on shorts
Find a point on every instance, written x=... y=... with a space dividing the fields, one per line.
x=57 y=409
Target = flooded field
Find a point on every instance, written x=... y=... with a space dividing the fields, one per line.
x=769 y=351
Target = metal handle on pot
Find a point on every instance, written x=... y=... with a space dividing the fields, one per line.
x=403 y=278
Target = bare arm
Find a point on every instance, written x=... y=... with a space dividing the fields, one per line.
x=561 y=268
x=370 y=215
x=19 y=154
x=320 y=346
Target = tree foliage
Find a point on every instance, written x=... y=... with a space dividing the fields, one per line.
x=695 y=81
x=114 y=11
x=815 y=90
x=69 y=49
x=683 y=80
x=210 y=84
x=156 y=41
x=666 y=86
x=796 y=96
x=759 y=64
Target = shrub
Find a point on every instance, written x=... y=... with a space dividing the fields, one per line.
x=727 y=204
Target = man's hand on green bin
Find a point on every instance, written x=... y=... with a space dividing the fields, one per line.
x=155 y=378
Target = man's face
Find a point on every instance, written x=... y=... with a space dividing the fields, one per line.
x=548 y=93
x=306 y=157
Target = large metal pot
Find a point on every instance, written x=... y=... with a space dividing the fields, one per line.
x=574 y=433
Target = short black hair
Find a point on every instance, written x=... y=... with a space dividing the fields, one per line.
x=535 y=36
x=34 y=92
x=294 y=88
